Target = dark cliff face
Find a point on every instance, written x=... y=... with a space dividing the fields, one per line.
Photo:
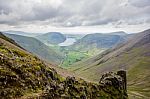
x=22 y=73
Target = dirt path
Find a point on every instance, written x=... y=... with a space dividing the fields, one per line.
x=136 y=95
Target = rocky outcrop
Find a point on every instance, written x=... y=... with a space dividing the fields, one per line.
x=118 y=80
x=111 y=86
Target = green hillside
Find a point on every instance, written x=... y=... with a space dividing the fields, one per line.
x=37 y=47
x=133 y=56
x=25 y=76
x=98 y=40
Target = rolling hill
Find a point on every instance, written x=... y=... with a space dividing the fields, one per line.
x=24 y=76
x=133 y=56
x=51 y=38
x=37 y=47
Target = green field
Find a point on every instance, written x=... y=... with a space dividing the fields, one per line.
x=72 y=57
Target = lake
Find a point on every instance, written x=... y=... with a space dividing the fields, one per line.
x=68 y=41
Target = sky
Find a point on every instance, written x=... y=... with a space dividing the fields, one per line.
x=75 y=16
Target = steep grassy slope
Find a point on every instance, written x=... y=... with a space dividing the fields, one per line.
x=20 y=72
x=22 y=75
x=35 y=46
x=133 y=56
x=51 y=38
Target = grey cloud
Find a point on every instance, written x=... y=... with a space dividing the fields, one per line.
x=41 y=13
x=70 y=13
x=5 y=7
x=140 y=3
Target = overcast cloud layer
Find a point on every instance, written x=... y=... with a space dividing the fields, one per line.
x=67 y=14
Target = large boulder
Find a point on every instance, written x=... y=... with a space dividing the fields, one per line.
x=118 y=80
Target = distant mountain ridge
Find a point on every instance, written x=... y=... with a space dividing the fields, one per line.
x=52 y=38
x=21 y=33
